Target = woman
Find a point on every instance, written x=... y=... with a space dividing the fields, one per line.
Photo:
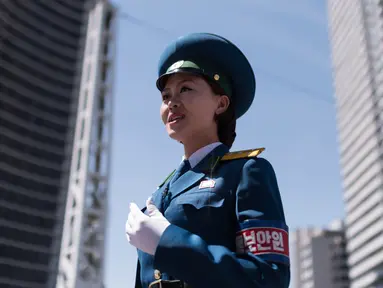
x=218 y=220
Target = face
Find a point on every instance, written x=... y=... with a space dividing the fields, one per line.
x=189 y=107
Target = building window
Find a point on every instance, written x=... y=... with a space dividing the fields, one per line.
x=71 y=231
x=85 y=103
x=90 y=46
x=79 y=159
x=82 y=129
x=88 y=72
x=108 y=20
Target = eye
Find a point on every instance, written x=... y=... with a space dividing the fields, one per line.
x=184 y=89
x=165 y=96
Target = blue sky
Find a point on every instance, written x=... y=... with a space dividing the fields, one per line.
x=293 y=114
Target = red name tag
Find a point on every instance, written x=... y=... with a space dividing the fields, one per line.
x=263 y=240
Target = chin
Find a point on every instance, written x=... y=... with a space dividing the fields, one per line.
x=175 y=135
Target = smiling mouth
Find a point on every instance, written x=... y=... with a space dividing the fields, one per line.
x=174 y=119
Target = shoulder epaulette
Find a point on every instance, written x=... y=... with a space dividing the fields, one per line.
x=242 y=154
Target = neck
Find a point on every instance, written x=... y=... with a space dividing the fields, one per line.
x=197 y=143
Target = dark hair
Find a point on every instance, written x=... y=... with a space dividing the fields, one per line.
x=226 y=122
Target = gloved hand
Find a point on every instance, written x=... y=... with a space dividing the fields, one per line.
x=143 y=231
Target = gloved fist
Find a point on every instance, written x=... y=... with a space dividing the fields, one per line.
x=145 y=231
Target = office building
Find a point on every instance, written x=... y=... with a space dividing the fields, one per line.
x=55 y=120
x=319 y=257
x=356 y=35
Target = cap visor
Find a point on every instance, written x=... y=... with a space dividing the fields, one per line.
x=162 y=80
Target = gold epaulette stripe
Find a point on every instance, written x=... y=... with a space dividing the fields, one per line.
x=242 y=154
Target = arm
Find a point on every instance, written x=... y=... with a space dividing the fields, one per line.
x=188 y=257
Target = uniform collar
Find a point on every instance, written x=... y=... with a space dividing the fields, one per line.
x=201 y=153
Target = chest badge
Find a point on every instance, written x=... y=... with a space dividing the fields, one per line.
x=207 y=184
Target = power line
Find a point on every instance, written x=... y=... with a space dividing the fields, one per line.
x=279 y=79
x=295 y=87
x=144 y=24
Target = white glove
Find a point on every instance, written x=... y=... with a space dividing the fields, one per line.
x=143 y=231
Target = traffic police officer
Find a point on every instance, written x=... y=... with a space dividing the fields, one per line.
x=218 y=219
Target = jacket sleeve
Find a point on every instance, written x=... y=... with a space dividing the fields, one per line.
x=138 y=275
x=259 y=212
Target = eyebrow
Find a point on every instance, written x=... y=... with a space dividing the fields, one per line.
x=181 y=82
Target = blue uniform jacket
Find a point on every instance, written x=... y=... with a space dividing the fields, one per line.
x=202 y=246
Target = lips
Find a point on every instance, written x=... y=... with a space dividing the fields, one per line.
x=175 y=117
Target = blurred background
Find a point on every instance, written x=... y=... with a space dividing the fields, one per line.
x=81 y=136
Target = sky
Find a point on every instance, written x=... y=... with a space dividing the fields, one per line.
x=293 y=114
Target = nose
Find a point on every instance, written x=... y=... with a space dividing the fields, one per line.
x=174 y=103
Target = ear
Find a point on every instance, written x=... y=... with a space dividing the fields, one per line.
x=223 y=104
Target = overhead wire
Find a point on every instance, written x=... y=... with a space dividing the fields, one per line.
x=279 y=79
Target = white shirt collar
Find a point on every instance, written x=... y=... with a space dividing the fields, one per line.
x=198 y=155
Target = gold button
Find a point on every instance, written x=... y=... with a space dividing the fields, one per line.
x=157 y=274
x=216 y=77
